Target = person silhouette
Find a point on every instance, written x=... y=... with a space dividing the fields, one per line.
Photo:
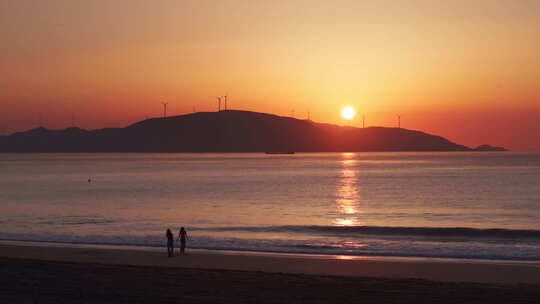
x=182 y=235
x=170 y=243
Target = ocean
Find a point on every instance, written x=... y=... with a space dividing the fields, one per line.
x=463 y=205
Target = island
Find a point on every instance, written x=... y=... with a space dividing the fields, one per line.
x=228 y=131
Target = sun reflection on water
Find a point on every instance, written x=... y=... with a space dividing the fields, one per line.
x=347 y=194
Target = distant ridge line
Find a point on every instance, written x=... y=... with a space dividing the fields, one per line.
x=226 y=131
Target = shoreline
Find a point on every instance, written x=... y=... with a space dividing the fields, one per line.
x=160 y=249
x=443 y=270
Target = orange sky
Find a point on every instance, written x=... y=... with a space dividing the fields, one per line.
x=465 y=70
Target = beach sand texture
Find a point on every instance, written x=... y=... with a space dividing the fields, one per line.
x=36 y=274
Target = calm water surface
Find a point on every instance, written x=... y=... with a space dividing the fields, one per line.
x=463 y=205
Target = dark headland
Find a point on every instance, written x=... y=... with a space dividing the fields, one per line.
x=227 y=131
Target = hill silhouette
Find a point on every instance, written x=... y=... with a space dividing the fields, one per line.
x=226 y=131
x=488 y=148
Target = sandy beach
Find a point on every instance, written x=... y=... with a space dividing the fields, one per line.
x=50 y=274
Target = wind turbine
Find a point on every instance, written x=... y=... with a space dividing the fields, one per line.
x=165 y=109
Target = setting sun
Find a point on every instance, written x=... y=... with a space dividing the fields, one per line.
x=348 y=112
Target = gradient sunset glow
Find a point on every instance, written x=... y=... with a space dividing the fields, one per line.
x=465 y=70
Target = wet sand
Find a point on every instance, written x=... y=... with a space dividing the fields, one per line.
x=40 y=274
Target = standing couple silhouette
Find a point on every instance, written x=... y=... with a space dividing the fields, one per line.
x=182 y=236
